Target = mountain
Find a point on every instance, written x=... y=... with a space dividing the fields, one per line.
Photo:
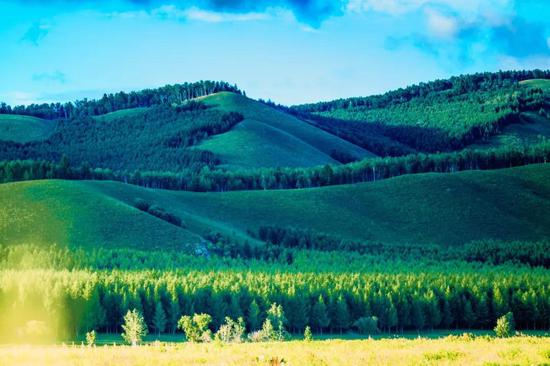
x=268 y=137
x=224 y=129
x=439 y=116
x=445 y=209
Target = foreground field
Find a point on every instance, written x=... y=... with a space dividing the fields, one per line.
x=420 y=351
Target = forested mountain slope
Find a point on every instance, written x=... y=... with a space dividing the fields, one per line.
x=441 y=115
x=208 y=136
x=270 y=138
x=446 y=209
x=154 y=138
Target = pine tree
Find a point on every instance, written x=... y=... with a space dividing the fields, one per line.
x=253 y=316
x=319 y=317
x=392 y=316
x=341 y=314
x=468 y=314
x=299 y=317
x=482 y=311
x=447 y=316
x=417 y=314
x=159 y=319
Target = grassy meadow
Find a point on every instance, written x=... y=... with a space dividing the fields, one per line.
x=24 y=128
x=451 y=350
x=434 y=208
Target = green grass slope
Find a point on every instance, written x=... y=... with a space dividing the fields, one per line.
x=70 y=212
x=24 y=128
x=270 y=138
x=543 y=84
x=447 y=209
x=130 y=112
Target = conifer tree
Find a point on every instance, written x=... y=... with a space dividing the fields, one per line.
x=319 y=317
x=159 y=319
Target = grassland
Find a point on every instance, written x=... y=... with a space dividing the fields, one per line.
x=271 y=138
x=543 y=84
x=24 y=128
x=447 y=209
x=71 y=212
x=420 y=351
x=130 y=112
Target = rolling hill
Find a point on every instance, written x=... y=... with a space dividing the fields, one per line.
x=268 y=137
x=23 y=129
x=530 y=128
x=446 y=209
x=442 y=115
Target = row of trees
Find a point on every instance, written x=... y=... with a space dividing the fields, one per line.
x=77 y=301
x=494 y=252
x=455 y=86
x=203 y=178
x=196 y=327
x=166 y=95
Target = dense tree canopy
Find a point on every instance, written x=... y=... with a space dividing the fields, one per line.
x=166 y=95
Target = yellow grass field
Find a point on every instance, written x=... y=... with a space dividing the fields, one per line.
x=461 y=350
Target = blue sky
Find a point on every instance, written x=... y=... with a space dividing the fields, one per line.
x=291 y=51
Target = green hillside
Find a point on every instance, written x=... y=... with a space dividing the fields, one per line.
x=530 y=128
x=155 y=138
x=24 y=128
x=510 y=204
x=269 y=138
x=123 y=113
x=441 y=115
x=543 y=84
x=64 y=212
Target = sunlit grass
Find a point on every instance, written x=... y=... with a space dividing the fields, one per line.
x=420 y=351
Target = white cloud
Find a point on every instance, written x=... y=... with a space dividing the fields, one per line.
x=397 y=7
x=217 y=17
x=193 y=13
x=441 y=25
x=128 y=14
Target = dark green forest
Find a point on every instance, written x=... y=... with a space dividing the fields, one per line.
x=431 y=293
x=441 y=115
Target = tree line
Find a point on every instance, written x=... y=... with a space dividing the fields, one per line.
x=81 y=300
x=203 y=178
x=167 y=95
x=454 y=86
x=438 y=122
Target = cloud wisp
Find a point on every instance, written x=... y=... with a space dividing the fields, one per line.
x=36 y=33
x=463 y=37
x=55 y=76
